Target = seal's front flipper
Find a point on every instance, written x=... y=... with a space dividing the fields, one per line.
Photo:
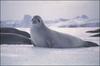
x=90 y=44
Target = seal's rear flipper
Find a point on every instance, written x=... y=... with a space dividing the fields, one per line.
x=90 y=44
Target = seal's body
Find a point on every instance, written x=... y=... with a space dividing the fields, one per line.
x=44 y=37
x=12 y=38
x=14 y=30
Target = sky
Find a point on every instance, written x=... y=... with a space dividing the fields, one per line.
x=48 y=10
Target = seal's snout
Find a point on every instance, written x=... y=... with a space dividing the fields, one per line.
x=36 y=19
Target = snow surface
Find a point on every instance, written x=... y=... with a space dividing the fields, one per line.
x=30 y=55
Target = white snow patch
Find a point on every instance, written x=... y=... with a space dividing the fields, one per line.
x=29 y=55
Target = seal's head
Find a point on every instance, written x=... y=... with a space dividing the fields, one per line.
x=37 y=22
x=37 y=19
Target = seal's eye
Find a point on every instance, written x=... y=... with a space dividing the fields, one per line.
x=34 y=21
x=38 y=20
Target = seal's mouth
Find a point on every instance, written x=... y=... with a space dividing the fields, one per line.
x=36 y=19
